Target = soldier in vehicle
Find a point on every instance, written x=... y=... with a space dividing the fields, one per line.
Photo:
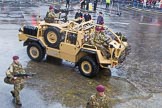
x=16 y=68
x=99 y=100
x=50 y=15
x=102 y=42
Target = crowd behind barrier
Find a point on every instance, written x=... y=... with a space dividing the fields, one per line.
x=147 y=4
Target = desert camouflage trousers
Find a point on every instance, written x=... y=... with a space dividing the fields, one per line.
x=17 y=88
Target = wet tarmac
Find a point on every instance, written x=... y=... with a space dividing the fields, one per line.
x=137 y=83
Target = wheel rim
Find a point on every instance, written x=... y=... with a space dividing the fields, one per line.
x=86 y=67
x=51 y=36
x=34 y=52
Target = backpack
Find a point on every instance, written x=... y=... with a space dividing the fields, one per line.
x=8 y=80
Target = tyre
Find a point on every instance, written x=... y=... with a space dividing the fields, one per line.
x=52 y=37
x=88 y=67
x=35 y=52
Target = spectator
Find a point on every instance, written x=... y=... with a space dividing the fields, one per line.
x=87 y=4
x=107 y=4
x=100 y=19
x=87 y=17
x=78 y=15
x=67 y=3
x=82 y=2
x=144 y=3
x=95 y=5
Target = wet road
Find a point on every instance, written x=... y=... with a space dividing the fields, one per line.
x=137 y=82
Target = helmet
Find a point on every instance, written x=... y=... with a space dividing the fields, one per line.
x=50 y=7
x=15 y=57
x=100 y=88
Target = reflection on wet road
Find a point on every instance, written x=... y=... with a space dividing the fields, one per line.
x=58 y=84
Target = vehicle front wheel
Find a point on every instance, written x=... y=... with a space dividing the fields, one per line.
x=88 y=67
x=35 y=52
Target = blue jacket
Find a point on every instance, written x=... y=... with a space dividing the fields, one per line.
x=100 y=20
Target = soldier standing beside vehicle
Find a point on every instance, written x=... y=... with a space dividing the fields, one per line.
x=99 y=100
x=16 y=68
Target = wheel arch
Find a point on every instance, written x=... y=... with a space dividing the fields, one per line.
x=85 y=52
x=33 y=40
x=41 y=52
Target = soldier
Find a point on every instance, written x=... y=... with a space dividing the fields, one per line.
x=16 y=68
x=50 y=15
x=99 y=100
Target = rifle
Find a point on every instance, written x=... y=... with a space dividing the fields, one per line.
x=25 y=75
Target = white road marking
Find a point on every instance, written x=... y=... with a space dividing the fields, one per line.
x=125 y=23
x=149 y=24
x=119 y=23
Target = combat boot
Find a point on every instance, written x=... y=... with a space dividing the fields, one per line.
x=13 y=94
x=18 y=103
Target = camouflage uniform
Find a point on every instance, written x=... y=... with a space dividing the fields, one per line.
x=100 y=42
x=18 y=82
x=97 y=101
x=50 y=16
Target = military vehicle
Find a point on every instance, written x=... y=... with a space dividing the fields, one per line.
x=86 y=44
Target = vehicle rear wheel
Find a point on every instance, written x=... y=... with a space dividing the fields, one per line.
x=88 y=67
x=52 y=37
x=35 y=52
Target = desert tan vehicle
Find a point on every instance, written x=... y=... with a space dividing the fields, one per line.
x=90 y=49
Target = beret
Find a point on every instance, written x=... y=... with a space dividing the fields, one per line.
x=100 y=88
